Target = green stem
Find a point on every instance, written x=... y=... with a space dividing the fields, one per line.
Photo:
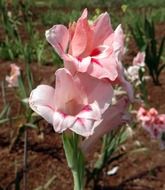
x=75 y=159
x=77 y=182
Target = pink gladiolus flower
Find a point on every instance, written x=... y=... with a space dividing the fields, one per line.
x=91 y=48
x=113 y=117
x=153 y=122
x=147 y=116
x=139 y=60
x=76 y=103
x=14 y=74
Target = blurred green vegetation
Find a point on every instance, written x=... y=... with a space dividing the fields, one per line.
x=144 y=3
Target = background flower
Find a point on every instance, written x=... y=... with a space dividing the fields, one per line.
x=14 y=74
x=153 y=122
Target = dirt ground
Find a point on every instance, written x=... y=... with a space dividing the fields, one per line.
x=142 y=166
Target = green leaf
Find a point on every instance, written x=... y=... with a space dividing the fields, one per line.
x=30 y=125
x=68 y=149
x=21 y=90
x=4 y=112
x=29 y=77
x=4 y=120
x=138 y=36
x=160 y=69
x=23 y=127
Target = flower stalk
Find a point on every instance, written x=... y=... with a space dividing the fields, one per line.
x=75 y=159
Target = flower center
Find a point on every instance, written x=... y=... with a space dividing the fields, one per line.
x=95 y=52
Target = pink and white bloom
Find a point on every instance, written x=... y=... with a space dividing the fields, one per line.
x=153 y=122
x=76 y=103
x=14 y=74
x=133 y=71
x=147 y=116
x=91 y=48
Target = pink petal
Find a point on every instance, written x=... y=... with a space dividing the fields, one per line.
x=15 y=70
x=41 y=101
x=84 y=124
x=84 y=14
x=93 y=88
x=58 y=37
x=122 y=81
x=61 y=121
x=102 y=29
x=79 y=41
x=83 y=65
x=162 y=120
x=101 y=52
x=91 y=111
x=82 y=39
x=118 y=43
x=139 y=59
x=114 y=117
x=100 y=66
x=142 y=114
x=153 y=112
x=105 y=68
x=69 y=97
x=83 y=127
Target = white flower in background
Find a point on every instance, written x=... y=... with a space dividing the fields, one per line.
x=9 y=14
x=133 y=71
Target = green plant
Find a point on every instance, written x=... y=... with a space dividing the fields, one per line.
x=110 y=144
x=145 y=38
x=153 y=52
x=11 y=47
x=57 y=16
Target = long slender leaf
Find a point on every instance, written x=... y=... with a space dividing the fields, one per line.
x=160 y=69
x=4 y=112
